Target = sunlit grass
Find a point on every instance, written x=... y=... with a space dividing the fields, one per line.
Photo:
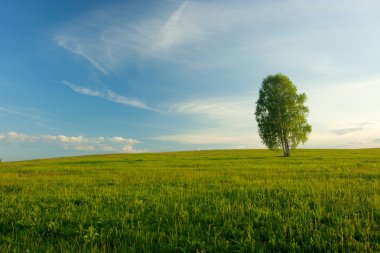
x=240 y=200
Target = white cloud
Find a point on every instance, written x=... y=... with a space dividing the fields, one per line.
x=79 y=143
x=20 y=137
x=84 y=90
x=128 y=148
x=119 y=139
x=72 y=139
x=108 y=95
x=114 y=97
x=64 y=139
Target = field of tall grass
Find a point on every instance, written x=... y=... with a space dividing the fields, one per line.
x=201 y=201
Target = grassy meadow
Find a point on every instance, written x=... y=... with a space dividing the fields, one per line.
x=200 y=201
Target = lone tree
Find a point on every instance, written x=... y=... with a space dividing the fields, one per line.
x=281 y=114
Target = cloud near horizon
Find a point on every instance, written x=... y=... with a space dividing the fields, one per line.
x=344 y=129
x=226 y=121
x=79 y=143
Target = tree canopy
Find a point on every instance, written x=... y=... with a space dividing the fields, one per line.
x=281 y=114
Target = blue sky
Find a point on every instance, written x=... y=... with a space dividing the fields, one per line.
x=87 y=77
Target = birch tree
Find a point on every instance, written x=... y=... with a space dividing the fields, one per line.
x=281 y=114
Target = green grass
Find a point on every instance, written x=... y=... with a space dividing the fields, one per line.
x=206 y=201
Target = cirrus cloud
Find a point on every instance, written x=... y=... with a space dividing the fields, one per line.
x=108 y=95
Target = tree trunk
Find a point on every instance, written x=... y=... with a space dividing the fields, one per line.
x=285 y=145
x=287 y=151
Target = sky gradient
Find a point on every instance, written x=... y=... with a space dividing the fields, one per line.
x=88 y=77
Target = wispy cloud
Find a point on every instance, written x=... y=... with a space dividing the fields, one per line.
x=32 y=116
x=348 y=128
x=108 y=95
x=31 y=113
x=104 y=45
x=79 y=48
x=183 y=34
x=224 y=121
x=232 y=111
x=7 y=111
x=206 y=33
x=342 y=131
x=79 y=143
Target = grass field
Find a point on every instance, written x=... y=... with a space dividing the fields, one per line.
x=206 y=201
